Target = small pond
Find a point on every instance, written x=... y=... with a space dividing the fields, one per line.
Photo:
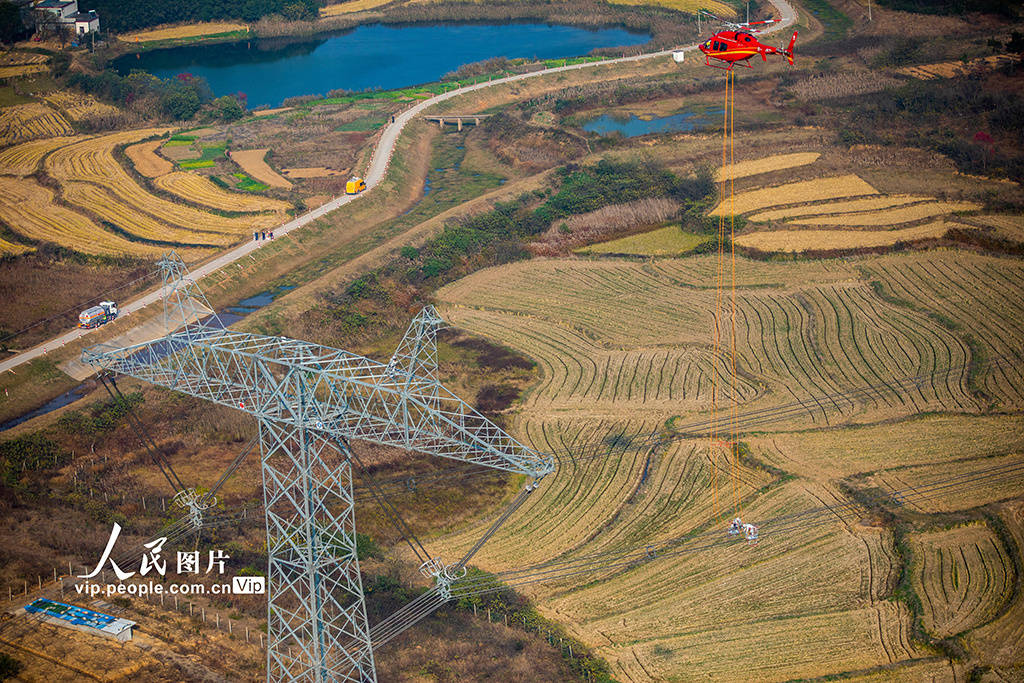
x=633 y=125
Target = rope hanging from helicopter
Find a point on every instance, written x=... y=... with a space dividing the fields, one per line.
x=723 y=434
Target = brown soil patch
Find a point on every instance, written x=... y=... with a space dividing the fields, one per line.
x=252 y=162
x=147 y=161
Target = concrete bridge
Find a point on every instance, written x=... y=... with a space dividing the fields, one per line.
x=457 y=119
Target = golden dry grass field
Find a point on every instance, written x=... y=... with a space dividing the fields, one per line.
x=200 y=190
x=828 y=240
x=182 y=31
x=252 y=162
x=963 y=576
x=779 y=162
x=146 y=161
x=92 y=204
x=29 y=209
x=624 y=351
x=30 y=121
x=79 y=107
x=24 y=159
x=830 y=208
x=892 y=216
x=351 y=6
x=800 y=192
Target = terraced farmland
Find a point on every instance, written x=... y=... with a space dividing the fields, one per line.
x=830 y=208
x=92 y=161
x=24 y=159
x=200 y=190
x=799 y=241
x=28 y=208
x=80 y=107
x=779 y=162
x=146 y=161
x=30 y=121
x=126 y=217
x=963 y=576
x=99 y=190
x=624 y=350
x=801 y=192
x=892 y=216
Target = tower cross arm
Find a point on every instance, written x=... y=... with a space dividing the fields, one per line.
x=324 y=389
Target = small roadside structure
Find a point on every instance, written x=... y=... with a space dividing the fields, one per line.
x=82 y=619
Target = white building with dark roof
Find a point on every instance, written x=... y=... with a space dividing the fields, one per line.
x=66 y=12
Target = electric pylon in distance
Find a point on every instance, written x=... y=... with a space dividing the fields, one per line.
x=309 y=402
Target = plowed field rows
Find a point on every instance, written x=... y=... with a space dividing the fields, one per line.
x=13 y=249
x=30 y=121
x=959 y=483
x=982 y=297
x=29 y=210
x=1000 y=643
x=624 y=350
x=111 y=209
x=962 y=575
x=199 y=190
x=79 y=107
x=92 y=161
x=24 y=159
x=794 y=343
x=913 y=454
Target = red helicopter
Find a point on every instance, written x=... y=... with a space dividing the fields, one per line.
x=736 y=44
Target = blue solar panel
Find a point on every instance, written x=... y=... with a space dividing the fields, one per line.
x=70 y=613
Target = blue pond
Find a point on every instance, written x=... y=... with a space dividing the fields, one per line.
x=633 y=126
x=371 y=56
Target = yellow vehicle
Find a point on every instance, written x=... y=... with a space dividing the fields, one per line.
x=355 y=186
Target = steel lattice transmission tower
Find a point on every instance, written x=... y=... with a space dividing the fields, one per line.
x=309 y=402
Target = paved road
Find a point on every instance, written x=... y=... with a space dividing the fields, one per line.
x=378 y=168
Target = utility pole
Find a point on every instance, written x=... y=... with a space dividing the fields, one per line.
x=309 y=401
x=869 y=10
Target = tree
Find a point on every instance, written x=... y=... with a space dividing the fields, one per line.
x=228 y=108
x=180 y=103
x=10 y=22
x=60 y=63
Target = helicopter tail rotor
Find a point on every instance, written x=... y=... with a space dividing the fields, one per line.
x=789 y=48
